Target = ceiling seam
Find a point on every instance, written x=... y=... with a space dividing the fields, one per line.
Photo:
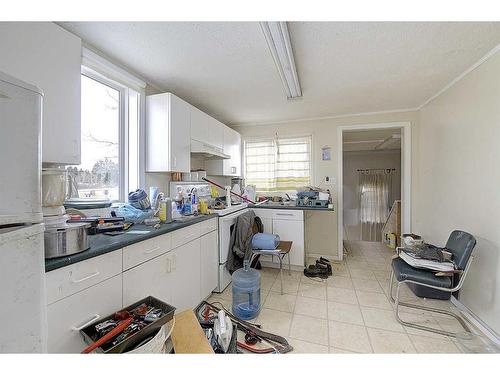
x=325 y=117
x=474 y=66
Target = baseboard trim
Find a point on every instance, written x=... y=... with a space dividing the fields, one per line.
x=474 y=319
x=329 y=257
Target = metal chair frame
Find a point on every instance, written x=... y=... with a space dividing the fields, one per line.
x=398 y=303
x=280 y=256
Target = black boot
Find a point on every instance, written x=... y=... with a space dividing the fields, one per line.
x=324 y=260
x=328 y=266
x=322 y=266
x=316 y=272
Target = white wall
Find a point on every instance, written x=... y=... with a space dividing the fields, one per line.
x=322 y=238
x=458 y=183
x=354 y=160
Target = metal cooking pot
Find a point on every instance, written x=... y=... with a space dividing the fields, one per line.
x=66 y=241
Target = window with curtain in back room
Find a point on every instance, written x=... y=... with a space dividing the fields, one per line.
x=278 y=164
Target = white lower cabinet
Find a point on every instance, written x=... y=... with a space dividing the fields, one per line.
x=185 y=281
x=209 y=256
x=151 y=278
x=289 y=226
x=67 y=316
x=181 y=277
x=291 y=230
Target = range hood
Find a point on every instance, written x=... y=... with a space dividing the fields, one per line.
x=207 y=151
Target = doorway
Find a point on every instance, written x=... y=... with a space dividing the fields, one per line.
x=374 y=176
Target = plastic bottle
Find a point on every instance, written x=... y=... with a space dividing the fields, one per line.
x=246 y=292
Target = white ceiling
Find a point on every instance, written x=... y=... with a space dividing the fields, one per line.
x=225 y=68
x=367 y=140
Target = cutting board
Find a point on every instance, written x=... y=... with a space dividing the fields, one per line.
x=188 y=337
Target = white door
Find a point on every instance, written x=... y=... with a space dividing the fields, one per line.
x=46 y=55
x=186 y=280
x=20 y=133
x=180 y=135
x=67 y=316
x=152 y=278
x=22 y=283
x=291 y=230
x=209 y=263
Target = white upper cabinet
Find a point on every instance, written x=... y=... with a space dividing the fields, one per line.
x=216 y=134
x=232 y=147
x=200 y=123
x=168 y=128
x=47 y=56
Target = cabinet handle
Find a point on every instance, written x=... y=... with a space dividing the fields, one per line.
x=174 y=262
x=152 y=250
x=86 y=277
x=169 y=265
x=233 y=169
x=284 y=214
x=175 y=161
x=95 y=318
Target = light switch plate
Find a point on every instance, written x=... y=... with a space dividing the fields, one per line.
x=329 y=180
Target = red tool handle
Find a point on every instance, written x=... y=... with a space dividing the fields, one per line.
x=223 y=188
x=108 y=336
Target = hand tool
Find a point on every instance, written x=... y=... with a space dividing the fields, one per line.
x=115 y=331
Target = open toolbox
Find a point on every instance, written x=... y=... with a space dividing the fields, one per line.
x=141 y=330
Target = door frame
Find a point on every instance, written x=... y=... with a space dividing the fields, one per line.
x=405 y=175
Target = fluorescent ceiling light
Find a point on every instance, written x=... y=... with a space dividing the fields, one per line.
x=278 y=40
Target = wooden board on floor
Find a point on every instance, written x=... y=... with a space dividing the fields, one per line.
x=188 y=336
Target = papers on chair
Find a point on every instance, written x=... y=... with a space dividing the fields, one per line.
x=424 y=263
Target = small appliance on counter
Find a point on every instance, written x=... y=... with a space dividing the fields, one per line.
x=69 y=240
x=60 y=238
x=311 y=198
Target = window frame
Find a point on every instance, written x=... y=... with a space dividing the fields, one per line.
x=123 y=129
x=266 y=138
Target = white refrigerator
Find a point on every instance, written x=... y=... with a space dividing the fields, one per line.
x=22 y=265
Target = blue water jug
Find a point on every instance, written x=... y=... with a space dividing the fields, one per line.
x=246 y=292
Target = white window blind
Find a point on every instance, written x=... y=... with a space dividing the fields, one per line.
x=279 y=164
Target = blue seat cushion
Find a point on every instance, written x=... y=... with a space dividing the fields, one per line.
x=403 y=271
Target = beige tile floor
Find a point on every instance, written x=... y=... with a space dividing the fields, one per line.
x=349 y=312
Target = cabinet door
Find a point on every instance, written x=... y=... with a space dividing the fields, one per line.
x=232 y=147
x=47 y=56
x=180 y=135
x=200 y=123
x=152 y=278
x=268 y=228
x=66 y=317
x=290 y=230
x=209 y=263
x=216 y=134
x=186 y=280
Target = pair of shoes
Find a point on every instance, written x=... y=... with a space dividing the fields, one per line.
x=313 y=271
x=322 y=265
x=325 y=262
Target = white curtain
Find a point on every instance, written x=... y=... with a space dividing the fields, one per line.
x=374 y=189
x=279 y=164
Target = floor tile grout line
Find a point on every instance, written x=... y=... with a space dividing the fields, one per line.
x=364 y=323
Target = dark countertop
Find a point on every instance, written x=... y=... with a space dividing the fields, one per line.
x=290 y=207
x=102 y=243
